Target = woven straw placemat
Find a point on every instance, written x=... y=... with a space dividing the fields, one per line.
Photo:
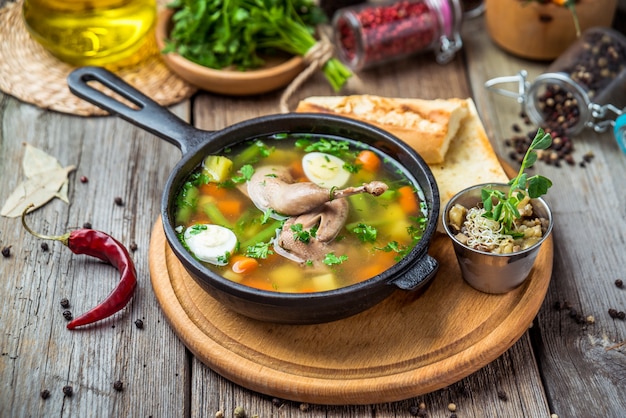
x=31 y=74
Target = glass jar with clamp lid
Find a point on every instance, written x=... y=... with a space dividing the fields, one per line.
x=584 y=88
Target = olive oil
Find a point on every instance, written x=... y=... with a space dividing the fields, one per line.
x=90 y=32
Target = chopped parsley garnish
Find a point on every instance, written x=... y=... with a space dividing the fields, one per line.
x=267 y=215
x=331 y=259
x=259 y=250
x=328 y=146
x=393 y=246
x=245 y=172
x=223 y=259
x=196 y=229
x=365 y=233
x=301 y=234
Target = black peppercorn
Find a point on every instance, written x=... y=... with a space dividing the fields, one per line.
x=133 y=246
x=139 y=323
x=118 y=201
x=621 y=315
x=65 y=303
x=87 y=225
x=118 y=385
x=45 y=394
x=6 y=251
x=619 y=283
x=44 y=246
x=613 y=313
x=67 y=315
x=84 y=179
x=502 y=395
x=68 y=391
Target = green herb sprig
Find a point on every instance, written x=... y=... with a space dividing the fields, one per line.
x=505 y=209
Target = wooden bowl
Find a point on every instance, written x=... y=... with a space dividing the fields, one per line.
x=275 y=74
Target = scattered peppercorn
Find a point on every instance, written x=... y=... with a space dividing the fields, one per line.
x=219 y=414
x=621 y=315
x=591 y=320
x=68 y=391
x=619 y=283
x=613 y=313
x=6 y=251
x=502 y=396
x=45 y=394
x=133 y=246
x=118 y=385
x=84 y=179
x=87 y=225
x=65 y=303
x=453 y=415
x=451 y=407
x=44 y=246
x=118 y=201
x=414 y=410
x=139 y=323
x=304 y=407
x=239 y=412
x=67 y=315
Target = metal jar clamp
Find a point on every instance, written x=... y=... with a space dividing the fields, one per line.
x=591 y=115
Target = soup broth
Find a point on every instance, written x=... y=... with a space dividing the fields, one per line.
x=299 y=213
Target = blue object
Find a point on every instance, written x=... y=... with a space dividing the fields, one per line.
x=619 y=130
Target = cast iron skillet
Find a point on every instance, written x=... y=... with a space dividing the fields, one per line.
x=411 y=273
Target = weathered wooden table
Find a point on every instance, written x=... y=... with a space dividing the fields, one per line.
x=560 y=366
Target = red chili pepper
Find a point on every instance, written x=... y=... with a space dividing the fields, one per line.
x=106 y=248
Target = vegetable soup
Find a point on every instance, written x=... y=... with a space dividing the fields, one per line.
x=299 y=213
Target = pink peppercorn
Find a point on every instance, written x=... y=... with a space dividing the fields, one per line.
x=369 y=35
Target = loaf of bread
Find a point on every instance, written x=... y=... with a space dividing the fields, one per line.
x=449 y=131
x=470 y=160
x=426 y=125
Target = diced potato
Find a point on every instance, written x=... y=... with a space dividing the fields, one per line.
x=286 y=277
x=232 y=276
x=324 y=282
x=217 y=167
x=395 y=222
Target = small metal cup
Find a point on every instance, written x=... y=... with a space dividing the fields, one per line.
x=494 y=273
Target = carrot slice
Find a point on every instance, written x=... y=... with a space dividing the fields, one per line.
x=368 y=160
x=230 y=208
x=243 y=265
x=407 y=199
x=213 y=189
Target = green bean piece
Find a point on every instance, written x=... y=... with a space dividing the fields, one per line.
x=263 y=235
x=216 y=216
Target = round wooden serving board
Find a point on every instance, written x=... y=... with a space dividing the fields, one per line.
x=409 y=344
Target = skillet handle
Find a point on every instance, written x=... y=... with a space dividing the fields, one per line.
x=418 y=275
x=148 y=115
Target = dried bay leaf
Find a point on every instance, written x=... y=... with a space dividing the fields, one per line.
x=36 y=161
x=38 y=190
x=46 y=179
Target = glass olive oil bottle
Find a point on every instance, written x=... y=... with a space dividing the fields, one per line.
x=90 y=32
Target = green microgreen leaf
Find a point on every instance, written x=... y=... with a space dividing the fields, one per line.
x=504 y=210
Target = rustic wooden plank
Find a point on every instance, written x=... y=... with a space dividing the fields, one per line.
x=37 y=351
x=589 y=250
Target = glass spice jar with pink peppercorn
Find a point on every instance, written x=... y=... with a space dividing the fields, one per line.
x=372 y=34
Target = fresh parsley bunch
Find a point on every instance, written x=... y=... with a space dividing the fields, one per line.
x=237 y=33
x=505 y=210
